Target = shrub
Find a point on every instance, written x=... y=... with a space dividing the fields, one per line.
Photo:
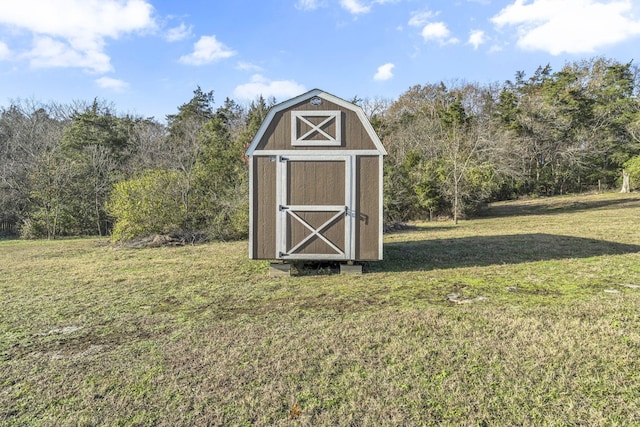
x=632 y=166
x=151 y=203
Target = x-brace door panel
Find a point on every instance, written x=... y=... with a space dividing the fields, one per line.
x=314 y=213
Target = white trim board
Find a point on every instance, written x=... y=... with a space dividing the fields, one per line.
x=316 y=153
x=282 y=215
x=251 y=212
x=303 y=117
x=381 y=207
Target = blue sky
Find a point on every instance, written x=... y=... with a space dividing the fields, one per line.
x=147 y=56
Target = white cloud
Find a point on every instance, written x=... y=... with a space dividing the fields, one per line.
x=112 y=84
x=309 y=4
x=259 y=85
x=571 y=26
x=76 y=30
x=418 y=19
x=5 y=52
x=207 y=50
x=476 y=38
x=435 y=31
x=355 y=7
x=178 y=33
x=248 y=66
x=438 y=31
x=385 y=72
x=431 y=31
x=51 y=53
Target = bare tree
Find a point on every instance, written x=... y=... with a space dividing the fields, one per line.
x=183 y=153
x=33 y=173
x=625 y=182
x=50 y=171
x=101 y=166
x=375 y=107
x=149 y=145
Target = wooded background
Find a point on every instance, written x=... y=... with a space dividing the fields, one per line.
x=84 y=169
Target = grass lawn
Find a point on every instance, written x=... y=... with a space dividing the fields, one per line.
x=527 y=316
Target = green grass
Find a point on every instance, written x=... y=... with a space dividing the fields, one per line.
x=200 y=335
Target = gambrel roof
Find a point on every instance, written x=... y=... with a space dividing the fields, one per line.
x=316 y=93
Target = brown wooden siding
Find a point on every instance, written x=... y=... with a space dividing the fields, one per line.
x=313 y=182
x=368 y=208
x=278 y=134
x=318 y=183
x=264 y=208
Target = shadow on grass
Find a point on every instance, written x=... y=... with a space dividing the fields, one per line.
x=555 y=205
x=492 y=250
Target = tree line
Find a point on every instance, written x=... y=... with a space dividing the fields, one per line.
x=83 y=169
x=453 y=148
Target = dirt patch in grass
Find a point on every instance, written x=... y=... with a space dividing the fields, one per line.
x=160 y=240
x=71 y=342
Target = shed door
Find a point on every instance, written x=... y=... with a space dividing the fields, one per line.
x=315 y=213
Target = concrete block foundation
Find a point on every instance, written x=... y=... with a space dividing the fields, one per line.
x=279 y=269
x=350 y=269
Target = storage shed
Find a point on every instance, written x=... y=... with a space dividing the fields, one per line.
x=315 y=173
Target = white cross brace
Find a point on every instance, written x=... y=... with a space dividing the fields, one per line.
x=317 y=231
